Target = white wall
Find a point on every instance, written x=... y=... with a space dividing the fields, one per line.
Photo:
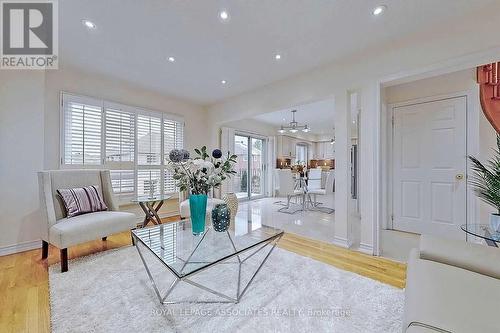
x=425 y=51
x=21 y=151
x=457 y=82
x=252 y=126
x=78 y=82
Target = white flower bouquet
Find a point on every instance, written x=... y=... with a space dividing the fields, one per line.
x=202 y=173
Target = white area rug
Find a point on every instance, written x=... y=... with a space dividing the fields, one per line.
x=110 y=292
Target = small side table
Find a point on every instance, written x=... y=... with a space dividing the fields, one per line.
x=483 y=231
x=151 y=206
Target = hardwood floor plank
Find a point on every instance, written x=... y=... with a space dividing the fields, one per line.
x=24 y=305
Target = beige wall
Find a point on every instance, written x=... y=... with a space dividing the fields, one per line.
x=251 y=126
x=30 y=138
x=21 y=151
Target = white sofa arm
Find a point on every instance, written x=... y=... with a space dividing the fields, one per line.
x=472 y=257
x=107 y=191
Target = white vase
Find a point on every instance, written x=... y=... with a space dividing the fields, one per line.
x=231 y=201
x=495 y=222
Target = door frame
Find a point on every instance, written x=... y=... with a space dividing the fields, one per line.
x=472 y=148
x=265 y=164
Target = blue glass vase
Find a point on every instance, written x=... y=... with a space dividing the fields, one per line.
x=198 y=210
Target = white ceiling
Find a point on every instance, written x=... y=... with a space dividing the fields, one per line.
x=134 y=38
x=319 y=116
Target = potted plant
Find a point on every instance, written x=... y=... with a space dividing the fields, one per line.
x=486 y=183
x=198 y=176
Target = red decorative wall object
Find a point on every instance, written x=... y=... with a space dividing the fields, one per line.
x=489 y=92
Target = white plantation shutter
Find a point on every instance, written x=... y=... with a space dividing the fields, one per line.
x=227 y=144
x=123 y=182
x=173 y=138
x=119 y=137
x=82 y=121
x=148 y=182
x=148 y=140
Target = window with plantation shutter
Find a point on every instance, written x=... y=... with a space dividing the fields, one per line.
x=132 y=143
x=173 y=138
x=82 y=136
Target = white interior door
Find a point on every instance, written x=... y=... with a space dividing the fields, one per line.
x=429 y=165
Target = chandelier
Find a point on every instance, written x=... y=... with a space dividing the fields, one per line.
x=294 y=126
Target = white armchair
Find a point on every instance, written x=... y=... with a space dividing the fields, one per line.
x=452 y=286
x=64 y=232
x=184 y=209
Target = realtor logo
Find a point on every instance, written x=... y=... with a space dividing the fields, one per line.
x=29 y=34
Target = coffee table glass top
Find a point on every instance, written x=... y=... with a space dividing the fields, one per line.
x=147 y=198
x=483 y=231
x=185 y=254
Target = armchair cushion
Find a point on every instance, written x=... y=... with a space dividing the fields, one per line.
x=83 y=228
x=82 y=200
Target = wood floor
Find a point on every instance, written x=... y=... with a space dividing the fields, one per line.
x=24 y=299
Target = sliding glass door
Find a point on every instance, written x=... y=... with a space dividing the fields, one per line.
x=249 y=182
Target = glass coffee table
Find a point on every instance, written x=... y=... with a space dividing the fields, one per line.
x=185 y=255
x=484 y=231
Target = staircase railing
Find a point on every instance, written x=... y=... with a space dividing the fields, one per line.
x=489 y=92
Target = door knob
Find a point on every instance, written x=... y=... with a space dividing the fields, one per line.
x=459 y=176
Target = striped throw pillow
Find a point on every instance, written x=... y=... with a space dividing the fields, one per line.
x=82 y=200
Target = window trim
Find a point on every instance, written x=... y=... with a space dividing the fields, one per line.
x=136 y=111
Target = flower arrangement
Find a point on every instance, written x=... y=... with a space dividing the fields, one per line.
x=201 y=173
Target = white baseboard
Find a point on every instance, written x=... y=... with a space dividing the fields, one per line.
x=340 y=242
x=36 y=244
x=21 y=247
x=366 y=248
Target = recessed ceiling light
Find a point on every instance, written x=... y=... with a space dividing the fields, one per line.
x=277 y=57
x=379 y=10
x=89 y=24
x=223 y=81
x=224 y=15
x=171 y=59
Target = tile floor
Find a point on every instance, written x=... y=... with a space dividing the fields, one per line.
x=312 y=224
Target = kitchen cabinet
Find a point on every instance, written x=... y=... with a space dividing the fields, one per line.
x=324 y=150
x=286 y=146
x=329 y=151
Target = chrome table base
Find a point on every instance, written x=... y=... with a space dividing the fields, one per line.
x=241 y=290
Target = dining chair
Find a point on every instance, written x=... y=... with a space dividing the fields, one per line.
x=330 y=179
x=287 y=189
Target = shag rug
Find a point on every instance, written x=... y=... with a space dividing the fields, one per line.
x=110 y=292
